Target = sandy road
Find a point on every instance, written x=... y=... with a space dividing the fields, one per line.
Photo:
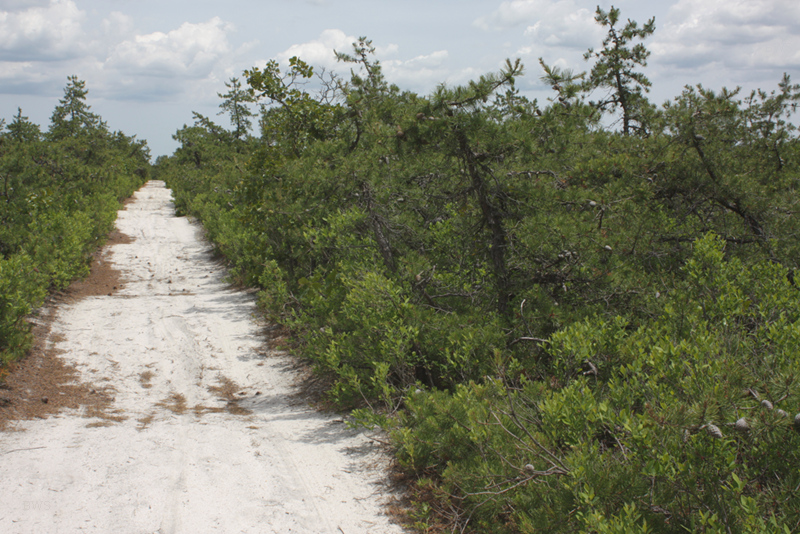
x=204 y=433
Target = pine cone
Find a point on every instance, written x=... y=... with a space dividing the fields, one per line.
x=797 y=422
x=741 y=425
x=766 y=404
x=714 y=431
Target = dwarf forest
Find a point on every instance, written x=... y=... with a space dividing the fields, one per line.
x=571 y=316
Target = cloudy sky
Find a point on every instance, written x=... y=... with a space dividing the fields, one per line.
x=149 y=63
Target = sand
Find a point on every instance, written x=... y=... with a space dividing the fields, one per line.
x=173 y=414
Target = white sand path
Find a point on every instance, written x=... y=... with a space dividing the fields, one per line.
x=184 y=459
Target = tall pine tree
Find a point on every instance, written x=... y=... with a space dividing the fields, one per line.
x=73 y=115
x=614 y=69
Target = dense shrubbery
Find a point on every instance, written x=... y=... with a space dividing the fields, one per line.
x=684 y=423
x=565 y=327
x=60 y=192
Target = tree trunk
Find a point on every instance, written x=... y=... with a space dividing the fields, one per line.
x=493 y=219
x=376 y=223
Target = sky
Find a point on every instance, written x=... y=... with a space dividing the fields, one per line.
x=148 y=64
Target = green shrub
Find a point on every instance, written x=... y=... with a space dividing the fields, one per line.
x=682 y=424
x=21 y=290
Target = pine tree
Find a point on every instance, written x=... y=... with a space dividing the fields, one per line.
x=235 y=104
x=22 y=130
x=73 y=115
x=615 y=66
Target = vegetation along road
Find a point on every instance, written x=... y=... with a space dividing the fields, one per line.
x=574 y=315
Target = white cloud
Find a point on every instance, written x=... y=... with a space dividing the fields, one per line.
x=385 y=51
x=320 y=51
x=426 y=61
x=420 y=73
x=548 y=22
x=559 y=31
x=512 y=14
x=734 y=34
x=189 y=63
x=566 y=27
x=18 y=73
x=191 y=50
x=117 y=26
x=50 y=31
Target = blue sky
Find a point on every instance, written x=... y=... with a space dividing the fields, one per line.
x=148 y=64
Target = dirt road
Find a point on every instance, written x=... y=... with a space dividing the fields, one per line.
x=201 y=430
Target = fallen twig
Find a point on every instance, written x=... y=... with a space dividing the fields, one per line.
x=26 y=449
